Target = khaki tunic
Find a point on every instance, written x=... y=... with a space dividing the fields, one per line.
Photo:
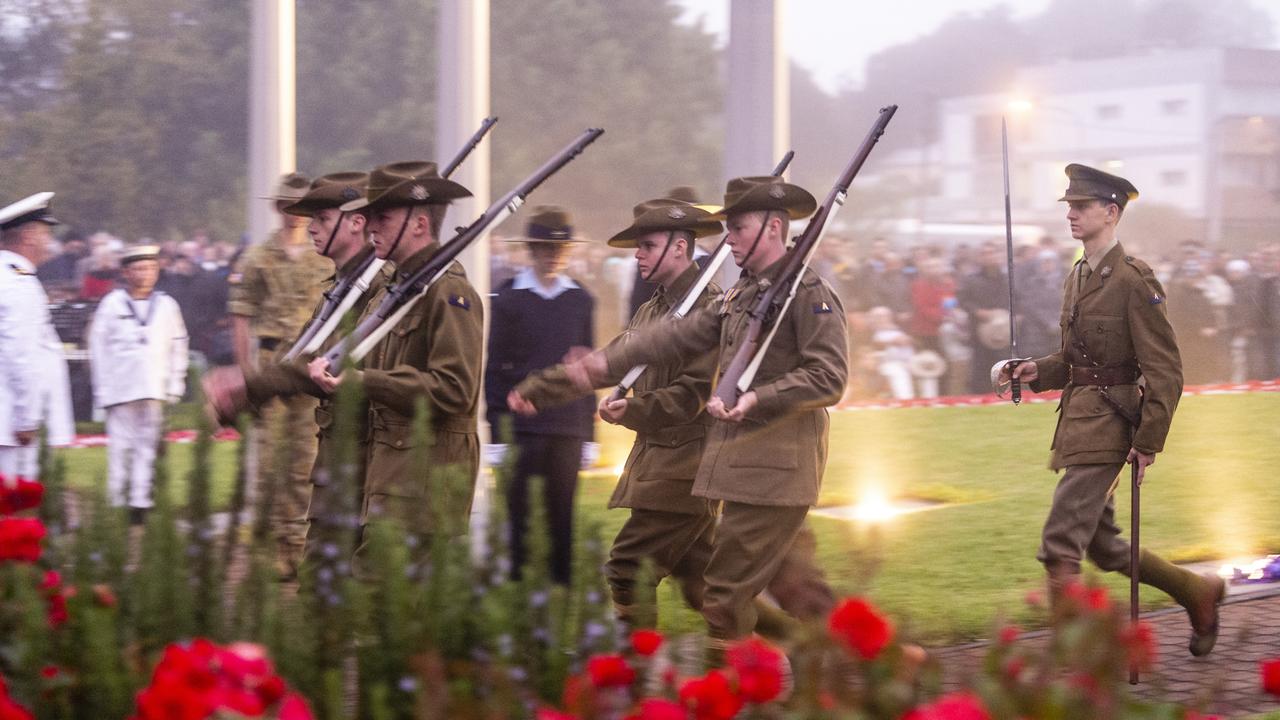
x=276 y=291
x=434 y=353
x=776 y=456
x=1117 y=316
x=665 y=411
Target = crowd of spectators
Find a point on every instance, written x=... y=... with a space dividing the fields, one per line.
x=924 y=320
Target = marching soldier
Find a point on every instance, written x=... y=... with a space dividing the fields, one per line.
x=273 y=289
x=538 y=317
x=34 y=391
x=433 y=354
x=764 y=458
x=339 y=236
x=138 y=355
x=1122 y=378
x=668 y=524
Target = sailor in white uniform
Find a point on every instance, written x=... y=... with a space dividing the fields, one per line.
x=138 y=354
x=34 y=391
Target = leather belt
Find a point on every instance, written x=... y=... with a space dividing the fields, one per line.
x=1104 y=375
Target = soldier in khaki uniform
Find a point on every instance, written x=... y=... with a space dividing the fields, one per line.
x=432 y=354
x=1122 y=378
x=339 y=236
x=766 y=456
x=668 y=525
x=273 y=290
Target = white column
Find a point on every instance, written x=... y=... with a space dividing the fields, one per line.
x=463 y=102
x=272 y=109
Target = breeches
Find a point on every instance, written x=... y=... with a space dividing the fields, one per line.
x=1082 y=520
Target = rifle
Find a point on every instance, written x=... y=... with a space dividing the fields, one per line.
x=682 y=308
x=746 y=362
x=402 y=296
x=344 y=294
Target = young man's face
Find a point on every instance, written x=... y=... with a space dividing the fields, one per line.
x=1088 y=218
x=654 y=266
x=744 y=230
x=141 y=275
x=384 y=229
x=549 y=258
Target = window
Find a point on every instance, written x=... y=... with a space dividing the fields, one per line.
x=1109 y=112
x=1174 y=107
x=1173 y=178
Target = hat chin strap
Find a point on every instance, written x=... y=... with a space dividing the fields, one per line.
x=756 y=243
x=400 y=235
x=333 y=234
x=670 y=237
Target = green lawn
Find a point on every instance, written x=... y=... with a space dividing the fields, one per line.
x=945 y=573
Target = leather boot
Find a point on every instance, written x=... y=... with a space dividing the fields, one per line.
x=1060 y=576
x=774 y=623
x=1200 y=595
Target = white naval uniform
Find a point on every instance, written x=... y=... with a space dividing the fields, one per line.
x=138 y=356
x=34 y=389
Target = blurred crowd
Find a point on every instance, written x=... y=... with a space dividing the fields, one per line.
x=925 y=320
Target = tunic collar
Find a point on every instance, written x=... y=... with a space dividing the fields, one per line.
x=1095 y=260
x=526 y=280
x=680 y=285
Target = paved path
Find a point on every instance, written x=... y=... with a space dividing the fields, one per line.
x=1227 y=682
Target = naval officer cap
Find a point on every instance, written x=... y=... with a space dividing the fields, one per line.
x=1088 y=183
x=33 y=208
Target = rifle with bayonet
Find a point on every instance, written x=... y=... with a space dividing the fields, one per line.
x=682 y=308
x=742 y=369
x=401 y=297
x=344 y=294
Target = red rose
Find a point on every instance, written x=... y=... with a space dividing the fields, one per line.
x=1096 y=599
x=1271 y=676
x=104 y=596
x=956 y=706
x=646 y=642
x=23 y=495
x=659 y=709
x=610 y=671
x=856 y=624
x=20 y=539
x=1008 y=634
x=295 y=708
x=710 y=697
x=49 y=672
x=759 y=667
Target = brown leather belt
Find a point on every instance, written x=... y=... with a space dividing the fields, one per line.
x=1104 y=375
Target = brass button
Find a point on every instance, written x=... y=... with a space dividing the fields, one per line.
x=399 y=443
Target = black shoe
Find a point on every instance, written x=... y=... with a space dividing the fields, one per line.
x=137 y=516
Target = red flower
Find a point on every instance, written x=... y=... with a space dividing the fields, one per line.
x=24 y=494
x=646 y=642
x=1271 y=676
x=294 y=708
x=956 y=706
x=104 y=596
x=659 y=709
x=49 y=672
x=1096 y=599
x=58 y=610
x=759 y=667
x=1140 y=642
x=195 y=681
x=610 y=671
x=710 y=697
x=20 y=539
x=1008 y=634
x=858 y=625
x=549 y=714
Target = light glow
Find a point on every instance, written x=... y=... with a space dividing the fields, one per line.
x=1020 y=105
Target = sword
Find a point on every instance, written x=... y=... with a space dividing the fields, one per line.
x=1015 y=385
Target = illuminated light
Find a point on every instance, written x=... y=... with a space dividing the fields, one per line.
x=617 y=469
x=1255 y=120
x=1020 y=105
x=875 y=508
x=1227 y=571
x=1114 y=164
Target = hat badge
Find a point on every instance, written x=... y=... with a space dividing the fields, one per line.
x=676 y=214
x=349 y=193
x=776 y=192
x=418 y=192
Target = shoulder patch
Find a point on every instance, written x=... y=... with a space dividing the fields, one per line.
x=460 y=301
x=821 y=308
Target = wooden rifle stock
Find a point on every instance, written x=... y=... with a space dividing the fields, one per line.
x=741 y=369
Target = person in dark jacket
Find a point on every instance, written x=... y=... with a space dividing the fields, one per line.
x=539 y=317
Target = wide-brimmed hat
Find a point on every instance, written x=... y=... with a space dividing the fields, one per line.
x=666 y=215
x=32 y=208
x=401 y=184
x=330 y=191
x=1088 y=183
x=290 y=188
x=139 y=252
x=548 y=224
x=766 y=192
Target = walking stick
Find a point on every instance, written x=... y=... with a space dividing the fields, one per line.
x=1135 y=493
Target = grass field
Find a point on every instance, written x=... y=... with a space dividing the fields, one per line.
x=946 y=572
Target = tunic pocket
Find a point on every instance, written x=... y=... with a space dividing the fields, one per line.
x=773 y=446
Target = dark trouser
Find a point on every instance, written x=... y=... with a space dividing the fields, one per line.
x=678 y=544
x=556 y=460
x=751 y=544
x=1082 y=521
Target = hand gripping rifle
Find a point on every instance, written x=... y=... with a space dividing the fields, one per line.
x=1014 y=384
x=742 y=368
x=344 y=294
x=402 y=296
x=682 y=308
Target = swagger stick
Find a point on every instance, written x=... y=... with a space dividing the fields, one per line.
x=1135 y=492
x=691 y=296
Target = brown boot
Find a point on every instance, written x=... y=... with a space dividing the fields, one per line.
x=1200 y=595
x=1061 y=575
